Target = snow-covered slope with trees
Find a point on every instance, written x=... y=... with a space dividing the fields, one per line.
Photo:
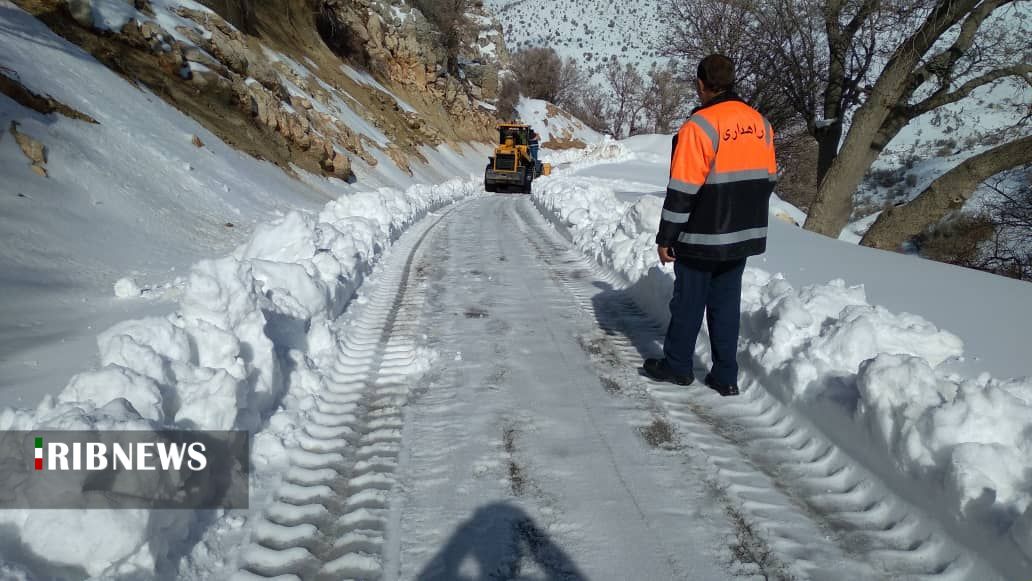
x=590 y=32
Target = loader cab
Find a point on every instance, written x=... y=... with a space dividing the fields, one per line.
x=518 y=134
x=513 y=166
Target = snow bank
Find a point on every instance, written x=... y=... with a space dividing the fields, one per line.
x=873 y=380
x=602 y=150
x=246 y=324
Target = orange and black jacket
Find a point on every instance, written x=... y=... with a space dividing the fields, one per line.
x=722 y=171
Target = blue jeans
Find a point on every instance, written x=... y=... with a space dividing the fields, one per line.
x=716 y=289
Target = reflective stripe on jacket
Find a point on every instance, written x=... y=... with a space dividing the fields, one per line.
x=722 y=172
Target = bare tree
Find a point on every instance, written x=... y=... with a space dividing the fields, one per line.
x=814 y=62
x=995 y=236
x=627 y=96
x=508 y=97
x=1009 y=210
x=798 y=61
x=823 y=52
x=572 y=81
x=733 y=28
x=592 y=108
x=666 y=98
x=941 y=61
x=539 y=71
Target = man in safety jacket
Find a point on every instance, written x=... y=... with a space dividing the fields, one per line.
x=722 y=172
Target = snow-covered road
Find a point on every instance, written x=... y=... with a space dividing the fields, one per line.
x=531 y=448
x=519 y=462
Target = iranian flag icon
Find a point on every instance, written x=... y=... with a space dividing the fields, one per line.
x=39 y=453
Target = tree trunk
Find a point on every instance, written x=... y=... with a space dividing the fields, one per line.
x=947 y=193
x=831 y=210
x=833 y=205
x=830 y=135
x=828 y=139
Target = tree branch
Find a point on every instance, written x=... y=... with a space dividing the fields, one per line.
x=942 y=97
x=942 y=64
x=947 y=193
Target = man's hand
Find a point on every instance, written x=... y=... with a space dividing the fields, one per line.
x=665 y=256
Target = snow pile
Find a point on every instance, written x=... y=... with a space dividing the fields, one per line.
x=248 y=325
x=803 y=337
x=604 y=149
x=873 y=380
x=126 y=287
x=594 y=223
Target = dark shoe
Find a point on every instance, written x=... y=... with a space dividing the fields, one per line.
x=723 y=389
x=657 y=369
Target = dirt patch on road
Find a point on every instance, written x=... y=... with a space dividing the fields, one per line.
x=658 y=434
x=611 y=385
x=517 y=478
x=600 y=349
x=748 y=547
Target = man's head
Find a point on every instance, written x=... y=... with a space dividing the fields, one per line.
x=716 y=75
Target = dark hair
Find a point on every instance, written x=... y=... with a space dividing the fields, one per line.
x=717 y=73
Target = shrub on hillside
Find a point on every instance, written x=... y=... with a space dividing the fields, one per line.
x=508 y=97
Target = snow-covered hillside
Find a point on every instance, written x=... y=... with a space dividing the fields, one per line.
x=136 y=197
x=557 y=128
x=590 y=32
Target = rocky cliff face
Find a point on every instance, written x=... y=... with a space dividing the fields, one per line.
x=317 y=84
x=395 y=39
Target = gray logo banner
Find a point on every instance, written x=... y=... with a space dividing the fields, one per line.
x=124 y=469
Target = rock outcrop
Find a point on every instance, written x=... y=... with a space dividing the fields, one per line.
x=33 y=149
x=292 y=80
x=394 y=41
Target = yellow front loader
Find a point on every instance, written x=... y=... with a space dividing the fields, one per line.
x=513 y=166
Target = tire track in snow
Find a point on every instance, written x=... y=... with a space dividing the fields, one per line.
x=329 y=516
x=821 y=513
